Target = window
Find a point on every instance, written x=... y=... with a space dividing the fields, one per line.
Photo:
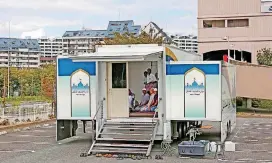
x=238 y=23
x=119 y=75
x=213 y=23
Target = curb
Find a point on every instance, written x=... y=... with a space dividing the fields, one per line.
x=25 y=126
x=252 y=115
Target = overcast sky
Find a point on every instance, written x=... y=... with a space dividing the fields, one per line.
x=54 y=17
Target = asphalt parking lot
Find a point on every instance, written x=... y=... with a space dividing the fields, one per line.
x=38 y=145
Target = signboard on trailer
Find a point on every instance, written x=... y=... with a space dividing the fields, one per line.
x=76 y=89
x=193 y=90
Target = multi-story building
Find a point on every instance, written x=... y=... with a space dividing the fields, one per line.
x=19 y=52
x=50 y=49
x=83 y=41
x=188 y=43
x=240 y=26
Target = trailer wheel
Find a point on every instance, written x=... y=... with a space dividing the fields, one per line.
x=185 y=128
x=229 y=128
x=180 y=132
x=182 y=129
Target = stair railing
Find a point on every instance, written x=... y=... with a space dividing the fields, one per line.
x=100 y=106
x=155 y=124
x=156 y=111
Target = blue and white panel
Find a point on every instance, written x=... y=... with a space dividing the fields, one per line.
x=193 y=91
x=194 y=94
x=76 y=89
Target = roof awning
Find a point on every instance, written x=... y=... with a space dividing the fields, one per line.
x=118 y=56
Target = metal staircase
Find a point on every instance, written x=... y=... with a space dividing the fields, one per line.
x=125 y=136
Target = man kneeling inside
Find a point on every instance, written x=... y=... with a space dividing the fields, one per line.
x=153 y=101
x=144 y=100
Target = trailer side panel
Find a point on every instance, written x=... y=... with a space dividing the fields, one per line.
x=193 y=91
x=76 y=89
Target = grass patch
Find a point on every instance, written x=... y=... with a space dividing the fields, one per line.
x=21 y=99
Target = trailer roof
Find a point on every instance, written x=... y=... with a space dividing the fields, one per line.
x=122 y=53
x=117 y=56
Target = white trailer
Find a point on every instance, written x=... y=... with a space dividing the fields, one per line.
x=189 y=90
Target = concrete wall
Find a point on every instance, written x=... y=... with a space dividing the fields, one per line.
x=254 y=81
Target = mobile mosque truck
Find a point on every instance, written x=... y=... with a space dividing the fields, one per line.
x=96 y=87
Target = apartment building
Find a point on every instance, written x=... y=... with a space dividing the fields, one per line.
x=50 y=49
x=188 y=43
x=242 y=26
x=19 y=53
x=83 y=41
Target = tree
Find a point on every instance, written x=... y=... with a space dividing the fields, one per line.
x=48 y=77
x=264 y=56
x=128 y=38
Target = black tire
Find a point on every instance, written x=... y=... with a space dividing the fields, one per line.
x=179 y=128
x=229 y=128
x=185 y=129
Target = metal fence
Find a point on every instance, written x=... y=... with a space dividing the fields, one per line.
x=27 y=112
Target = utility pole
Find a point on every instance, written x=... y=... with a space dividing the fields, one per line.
x=8 y=60
x=4 y=92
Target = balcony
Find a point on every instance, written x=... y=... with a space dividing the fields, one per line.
x=216 y=34
x=3 y=60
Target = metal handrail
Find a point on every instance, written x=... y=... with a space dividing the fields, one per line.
x=100 y=106
x=156 y=111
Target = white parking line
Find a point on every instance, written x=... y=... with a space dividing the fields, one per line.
x=27 y=142
x=35 y=131
x=8 y=151
x=40 y=136
x=264 y=160
x=11 y=142
x=253 y=144
x=252 y=151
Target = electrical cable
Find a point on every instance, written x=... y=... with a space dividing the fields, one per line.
x=167 y=149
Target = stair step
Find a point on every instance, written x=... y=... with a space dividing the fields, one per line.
x=128 y=128
x=129 y=123
x=128 y=134
x=119 y=151
x=122 y=139
x=121 y=145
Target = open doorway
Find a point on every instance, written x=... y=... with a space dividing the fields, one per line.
x=143 y=88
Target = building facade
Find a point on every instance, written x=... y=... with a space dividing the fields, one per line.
x=83 y=41
x=243 y=26
x=19 y=53
x=188 y=43
x=50 y=49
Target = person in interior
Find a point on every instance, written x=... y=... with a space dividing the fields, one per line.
x=151 y=79
x=131 y=98
x=155 y=101
x=144 y=100
x=147 y=107
x=145 y=77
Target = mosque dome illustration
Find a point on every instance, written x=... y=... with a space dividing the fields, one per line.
x=194 y=85
x=80 y=86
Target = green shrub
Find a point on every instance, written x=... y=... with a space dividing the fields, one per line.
x=239 y=101
x=266 y=104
